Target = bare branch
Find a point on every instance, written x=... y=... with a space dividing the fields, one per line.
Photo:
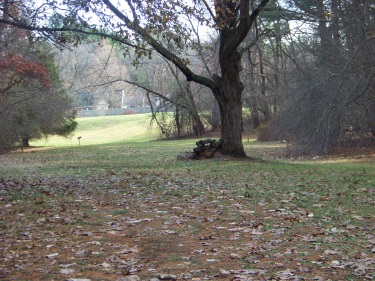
x=190 y=75
x=44 y=29
x=140 y=86
x=209 y=10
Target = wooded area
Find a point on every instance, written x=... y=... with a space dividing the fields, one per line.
x=33 y=102
x=111 y=204
x=299 y=71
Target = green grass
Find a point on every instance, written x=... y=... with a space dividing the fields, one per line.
x=117 y=144
x=105 y=130
x=121 y=171
x=122 y=144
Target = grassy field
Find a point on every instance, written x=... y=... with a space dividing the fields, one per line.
x=105 y=130
x=122 y=207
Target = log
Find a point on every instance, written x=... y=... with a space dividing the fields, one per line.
x=211 y=142
x=216 y=144
x=205 y=148
x=208 y=153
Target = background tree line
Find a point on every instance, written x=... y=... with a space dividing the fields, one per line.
x=307 y=69
x=328 y=99
x=33 y=103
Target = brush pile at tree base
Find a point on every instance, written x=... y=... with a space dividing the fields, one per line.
x=205 y=149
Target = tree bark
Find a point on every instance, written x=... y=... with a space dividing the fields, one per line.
x=231 y=129
x=215 y=116
x=229 y=97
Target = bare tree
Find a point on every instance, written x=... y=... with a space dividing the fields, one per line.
x=156 y=25
x=96 y=69
x=331 y=102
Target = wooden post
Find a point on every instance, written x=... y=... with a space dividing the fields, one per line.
x=79 y=140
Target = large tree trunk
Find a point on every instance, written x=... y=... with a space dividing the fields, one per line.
x=231 y=129
x=229 y=97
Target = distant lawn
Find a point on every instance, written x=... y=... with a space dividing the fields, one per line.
x=122 y=204
x=104 y=130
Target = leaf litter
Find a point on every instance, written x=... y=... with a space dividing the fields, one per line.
x=153 y=226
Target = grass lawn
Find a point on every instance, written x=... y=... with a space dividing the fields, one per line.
x=120 y=206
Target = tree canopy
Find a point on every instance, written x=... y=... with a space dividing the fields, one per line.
x=305 y=67
x=32 y=101
x=165 y=27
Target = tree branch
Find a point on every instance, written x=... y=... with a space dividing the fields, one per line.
x=209 y=10
x=142 y=87
x=189 y=74
x=258 y=9
x=43 y=29
x=231 y=39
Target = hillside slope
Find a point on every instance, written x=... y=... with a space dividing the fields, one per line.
x=105 y=130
